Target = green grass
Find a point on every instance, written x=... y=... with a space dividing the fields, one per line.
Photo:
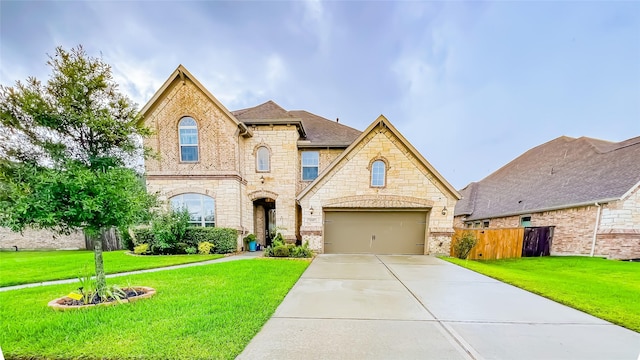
x=606 y=289
x=24 y=267
x=202 y=312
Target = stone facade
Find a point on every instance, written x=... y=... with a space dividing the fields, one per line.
x=409 y=185
x=618 y=234
x=40 y=239
x=227 y=170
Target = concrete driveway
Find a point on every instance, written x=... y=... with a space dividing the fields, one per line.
x=420 y=307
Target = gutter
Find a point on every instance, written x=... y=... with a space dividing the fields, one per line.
x=551 y=208
x=595 y=230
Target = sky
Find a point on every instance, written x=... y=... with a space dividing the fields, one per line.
x=471 y=84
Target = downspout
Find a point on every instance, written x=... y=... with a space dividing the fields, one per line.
x=595 y=230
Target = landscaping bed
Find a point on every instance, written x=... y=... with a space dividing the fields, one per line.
x=607 y=289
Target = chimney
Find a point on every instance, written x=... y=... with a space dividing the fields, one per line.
x=337 y=120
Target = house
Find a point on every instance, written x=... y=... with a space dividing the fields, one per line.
x=586 y=189
x=265 y=169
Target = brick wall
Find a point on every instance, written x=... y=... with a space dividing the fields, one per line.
x=40 y=239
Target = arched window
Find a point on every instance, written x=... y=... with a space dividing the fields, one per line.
x=202 y=208
x=378 y=173
x=262 y=159
x=188 y=134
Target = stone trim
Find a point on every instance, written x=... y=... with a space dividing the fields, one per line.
x=187 y=190
x=378 y=201
x=310 y=232
x=261 y=194
x=198 y=177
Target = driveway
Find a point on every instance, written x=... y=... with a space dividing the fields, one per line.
x=420 y=307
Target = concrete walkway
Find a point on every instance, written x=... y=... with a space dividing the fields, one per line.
x=240 y=256
x=420 y=307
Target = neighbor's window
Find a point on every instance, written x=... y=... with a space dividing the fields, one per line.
x=310 y=165
x=485 y=223
x=188 y=134
x=262 y=159
x=525 y=221
x=201 y=208
x=378 y=173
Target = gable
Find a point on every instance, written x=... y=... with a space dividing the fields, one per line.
x=408 y=173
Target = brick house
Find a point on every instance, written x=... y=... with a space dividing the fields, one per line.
x=264 y=168
x=587 y=189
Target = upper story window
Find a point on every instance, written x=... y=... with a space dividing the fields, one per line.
x=201 y=208
x=188 y=134
x=378 y=173
x=310 y=165
x=525 y=221
x=262 y=159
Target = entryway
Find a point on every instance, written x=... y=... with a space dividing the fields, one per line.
x=374 y=231
x=264 y=214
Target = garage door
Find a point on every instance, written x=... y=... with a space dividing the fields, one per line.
x=374 y=232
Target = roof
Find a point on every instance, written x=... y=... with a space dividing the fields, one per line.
x=181 y=74
x=380 y=121
x=315 y=130
x=562 y=173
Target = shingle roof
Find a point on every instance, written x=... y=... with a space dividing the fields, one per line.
x=561 y=173
x=317 y=130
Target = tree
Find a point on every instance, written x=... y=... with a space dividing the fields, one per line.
x=67 y=149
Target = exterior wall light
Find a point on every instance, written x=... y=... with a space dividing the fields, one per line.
x=311 y=210
x=444 y=211
x=262 y=179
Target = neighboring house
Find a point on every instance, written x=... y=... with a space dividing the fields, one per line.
x=265 y=169
x=40 y=239
x=587 y=189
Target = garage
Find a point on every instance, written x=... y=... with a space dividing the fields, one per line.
x=374 y=232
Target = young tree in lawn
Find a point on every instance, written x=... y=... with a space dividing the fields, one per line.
x=67 y=149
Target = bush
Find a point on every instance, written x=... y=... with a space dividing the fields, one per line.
x=205 y=248
x=191 y=250
x=143 y=236
x=281 y=251
x=168 y=230
x=463 y=244
x=224 y=240
x=302 y=251
x=126 y=241
x=141 y=249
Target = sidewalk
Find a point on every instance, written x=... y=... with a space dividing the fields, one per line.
x=241 y=256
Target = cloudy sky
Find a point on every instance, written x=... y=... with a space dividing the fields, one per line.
x=472 y=85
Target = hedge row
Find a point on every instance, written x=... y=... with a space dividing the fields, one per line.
x=224 y=240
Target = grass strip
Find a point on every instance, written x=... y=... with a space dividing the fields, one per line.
x=607 y=289
x=24 y=267
x=203 y=312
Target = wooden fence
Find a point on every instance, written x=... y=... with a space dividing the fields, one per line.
x=494 y=243
x=110 y=240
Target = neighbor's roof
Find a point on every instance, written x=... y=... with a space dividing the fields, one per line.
x=315 y=130
x=562 y=173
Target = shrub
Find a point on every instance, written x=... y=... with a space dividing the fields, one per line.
x=141 y=249
x=126 y=241
x=191 y=250
x=302 y=251
x=143 y=236
x=223 y=239
x=463 y=244
x=168 y=230
x=281 y=251
x=205 y=248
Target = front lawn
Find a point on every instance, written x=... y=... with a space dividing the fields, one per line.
x=202 y=312
x=606 y=289
x=24 y=267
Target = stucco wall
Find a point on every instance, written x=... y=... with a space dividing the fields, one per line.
x=40 y=239
x=409 y=184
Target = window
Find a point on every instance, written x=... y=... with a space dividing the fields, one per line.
x=378 y=173
x=188 y=134
x=201 y=208
x=525 y=221
x=485 y=223
x=262 y=159
x=310 y=164
x=477 y=225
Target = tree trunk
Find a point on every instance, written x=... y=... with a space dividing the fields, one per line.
x=101 y=281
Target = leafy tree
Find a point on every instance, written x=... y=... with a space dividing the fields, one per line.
x=67 y=149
